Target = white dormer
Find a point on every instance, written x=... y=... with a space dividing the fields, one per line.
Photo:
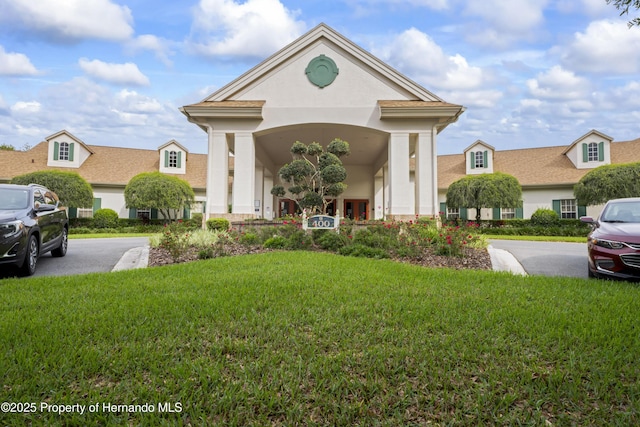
x=66 y=151
x=590 y=150
x=479 y=158
x=173 y=158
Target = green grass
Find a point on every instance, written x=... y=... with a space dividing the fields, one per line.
x=108 y=235
x=301 y=338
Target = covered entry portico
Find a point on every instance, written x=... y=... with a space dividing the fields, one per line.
x=319 y=88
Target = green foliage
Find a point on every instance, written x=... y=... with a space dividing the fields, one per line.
x=623 y=6
x=7 y=147
x=72 y=190
x=545 y=217
x=168 y=194
x=314 y=175
x=363 y=251
x=174 y=239
x=276 y=242
x=105 y=218
x=331 y=241
x=491 y=190
x=220 y=224
x=608 y=182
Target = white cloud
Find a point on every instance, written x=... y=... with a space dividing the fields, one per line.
x=559 y=84
x=255 y=28
x=15 y=64
x=605 y=47
x=133 y=102
x=22 y=107
x=127 y=73
x=68 y=19
x=160 y=47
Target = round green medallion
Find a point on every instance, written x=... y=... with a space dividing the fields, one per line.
x=321 y=71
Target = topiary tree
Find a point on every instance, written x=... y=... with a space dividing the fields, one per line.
x=105 y=218
x=545 y=217
x=72 y=190
x=608 y=182
x=315 y=176
x=488 y=190
x=168 y=194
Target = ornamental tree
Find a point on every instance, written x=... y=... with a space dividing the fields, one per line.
x=155 y=190
x=488 y=190
x=315 y=176
x=608 y=182
x=72 y=190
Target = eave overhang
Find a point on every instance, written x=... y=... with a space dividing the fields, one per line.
x=443 y=112
x=225 y=109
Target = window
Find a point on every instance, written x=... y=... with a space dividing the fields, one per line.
x=478 y=159
x=85 y=213
x=173 y=159
x=453 y=213
x=63 y=153
x=507 y=213
x=568 y=209
x=592 y=152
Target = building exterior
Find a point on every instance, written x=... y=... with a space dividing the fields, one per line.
x=108 y=169
x=320 y=87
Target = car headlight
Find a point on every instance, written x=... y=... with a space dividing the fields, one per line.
x=10 y=229
x=609 y=244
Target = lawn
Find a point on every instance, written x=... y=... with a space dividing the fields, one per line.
x=303 y=338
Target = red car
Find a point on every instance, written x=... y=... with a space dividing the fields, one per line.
x=614 y=242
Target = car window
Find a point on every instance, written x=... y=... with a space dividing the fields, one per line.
x=622 y=212
x=12 y=199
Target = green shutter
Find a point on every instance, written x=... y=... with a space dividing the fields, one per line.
x=585 y=153
x=166 y=158
x=56 y=150
x=133 y=213
x=179 y=159
x=600 y=152
x=186 y=213
x=582 y=211
x=519 y=213
x=463 y=214
x=443 y=209
x=556 y=206
x=97 y=204
x=154 y=213
x=73 y=212
x=71 y=151
x=496 y=213
x=472 y=159
x=485 y=157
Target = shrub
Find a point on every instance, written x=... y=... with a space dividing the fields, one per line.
x=275 y=242
x=105 y=218
x=175 y=239
x=220 y=224
x=545 y=217
x=360 y=250
x=299 y=240
x=249 y=238
x=374 y=239
x=331 y=241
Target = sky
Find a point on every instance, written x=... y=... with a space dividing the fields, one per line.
x=531 y=73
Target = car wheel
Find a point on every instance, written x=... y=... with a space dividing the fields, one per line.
x=61 y=250
x=590 y=273
x=31 y=257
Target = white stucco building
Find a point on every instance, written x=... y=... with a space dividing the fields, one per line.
x=320 y=87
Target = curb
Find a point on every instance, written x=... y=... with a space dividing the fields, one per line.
x=133 y=258
x=502 y=260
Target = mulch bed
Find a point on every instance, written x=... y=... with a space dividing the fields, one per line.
x=476 y=259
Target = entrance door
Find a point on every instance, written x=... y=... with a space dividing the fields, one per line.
x=356 y=209
x=287 y=207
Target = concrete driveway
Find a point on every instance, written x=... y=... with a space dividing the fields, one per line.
x=84 y=256
x=547 y=258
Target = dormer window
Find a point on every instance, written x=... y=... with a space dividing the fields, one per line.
x=593 y=152
x=173 y=159
x=63 y=151
x=478 y=159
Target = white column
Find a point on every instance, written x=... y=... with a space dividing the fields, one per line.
x=217 y=173
x=244 y=174
x=399 y=182
x=267 y=209
x=426 y=179
x=258 y=202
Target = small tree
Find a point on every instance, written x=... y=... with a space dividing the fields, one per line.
x=315 y=175
x=489 y=190
x=7 y=147
x=156 y=190
x=623 y=6
x=608 y=182
x=72 y=190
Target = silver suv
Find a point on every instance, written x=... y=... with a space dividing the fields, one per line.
x=31 y=224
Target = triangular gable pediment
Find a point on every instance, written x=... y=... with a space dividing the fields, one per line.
x=324 y=40
x=173 y=142
x=68 y=134
x=586 y=135
x=479 y=143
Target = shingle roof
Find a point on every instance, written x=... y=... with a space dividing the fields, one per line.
x=106 y=166
x=535 y=166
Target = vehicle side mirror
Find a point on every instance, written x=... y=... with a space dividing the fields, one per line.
x=589 y=220
x=45 y=208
